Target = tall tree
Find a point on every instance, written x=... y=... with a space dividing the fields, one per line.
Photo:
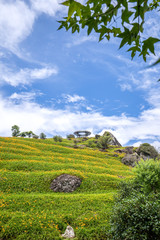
x=42 y=136
x=120 y=18
x=15 y=131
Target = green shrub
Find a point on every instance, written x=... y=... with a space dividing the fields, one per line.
x=147 y=150
x=35 y=136
x=97 y=136
x=70 y=136
x=91 y=144
x=58 y=138
x=136 y=219
x=148 y=176
x=104 y=141
x=136 y=214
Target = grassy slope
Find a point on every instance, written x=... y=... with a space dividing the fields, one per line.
x=30 y=210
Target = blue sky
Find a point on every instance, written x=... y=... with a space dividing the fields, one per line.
x=55 y=82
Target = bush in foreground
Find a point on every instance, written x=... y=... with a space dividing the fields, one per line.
x=136 y=214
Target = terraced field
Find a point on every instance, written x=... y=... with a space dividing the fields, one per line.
x=29 y=209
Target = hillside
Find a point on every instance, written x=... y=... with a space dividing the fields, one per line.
x=29 y=209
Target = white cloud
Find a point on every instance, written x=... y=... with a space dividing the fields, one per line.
x=24 y=76
x=49 y=7
x=78 y=40
x=32 y=116
x=137 y=144
x=24 y=96
x=16 y=22
x=42 y=73
x=126 y=86
x=74 y=98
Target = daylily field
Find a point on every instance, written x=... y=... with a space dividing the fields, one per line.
x=29 y=209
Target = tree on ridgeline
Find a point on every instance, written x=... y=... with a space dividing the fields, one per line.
x=35 y=136
x=42 y=136
x=15 y=131
x=29 y=133
x=22 y=134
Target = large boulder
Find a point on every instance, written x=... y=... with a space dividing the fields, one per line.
x=131 y=159
x=113 y=140
x=69 y=233
x=127 y=150
x=65 y=183
x=146 y=151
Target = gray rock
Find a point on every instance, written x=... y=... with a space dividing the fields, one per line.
x=113 y=140
x=147 y=151
x=145 y=157
x=65 y=183
x=127 y=150
x=131 y=159
x=69 y=233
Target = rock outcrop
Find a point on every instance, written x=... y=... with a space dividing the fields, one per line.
x=69 y=233
x=131 y=159
x=113 y=140
x=127 y=150
x=65 y=183
x=147 y=151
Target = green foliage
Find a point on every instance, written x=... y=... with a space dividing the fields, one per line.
x=91 y=144
x=70 y=136
x=136 y=218
x=58 y=138
x=148 y=150
x=15 y=131
x=104 y=141
x=35 y=136
x=29 y=133
x=97 y=136
x=118 y=20
x=148 y=176
x=42 y=136
x=22 y=134
x=136 y=212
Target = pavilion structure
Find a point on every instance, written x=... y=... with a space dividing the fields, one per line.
x=82 y=133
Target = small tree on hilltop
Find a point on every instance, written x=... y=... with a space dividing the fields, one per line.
x=22 y=134
x=35 y=136
x=70 y=136
x=29 y=133
x=104 y=141
x=15 y=131
x=42 y=136
x=57 y=138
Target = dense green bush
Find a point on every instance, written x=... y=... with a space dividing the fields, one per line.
x=91 y=144
x=136 y=214
x=104 y=141
x=97 y=136
x=35 y=136
x=58 y=138
x=136 y=218
x=148 y=176
x=147 y=150
x=42 y=136
x=70 y=136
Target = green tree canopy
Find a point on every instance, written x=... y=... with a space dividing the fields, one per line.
x=15 y=131
x=42 y=136
x=120 y=18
